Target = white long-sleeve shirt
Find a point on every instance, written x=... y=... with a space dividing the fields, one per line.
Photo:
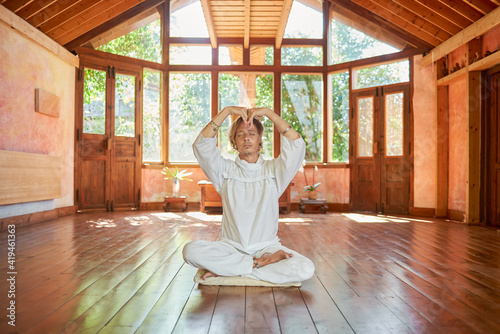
x=250 y=191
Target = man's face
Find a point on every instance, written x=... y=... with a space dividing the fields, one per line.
x=247 y=139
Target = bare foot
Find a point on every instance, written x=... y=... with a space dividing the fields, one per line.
x=208 y=274
x=268 y=258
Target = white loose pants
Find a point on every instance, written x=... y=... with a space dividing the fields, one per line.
x=223 y=259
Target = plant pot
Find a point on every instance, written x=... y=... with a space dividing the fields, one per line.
x=312 y=194
x=175 y=187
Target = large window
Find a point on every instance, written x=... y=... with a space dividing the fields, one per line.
x=189 y=112
x=302 y=107
x=250 y=90
x=143 y=43
x=151 y=116
x=380 y=75
x=94 y=102
x=340 y=116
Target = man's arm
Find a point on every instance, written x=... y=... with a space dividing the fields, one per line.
x=283 y=127
x=213 y=126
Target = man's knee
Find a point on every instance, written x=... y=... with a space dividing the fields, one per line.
x=190 y=251
x=307 y=271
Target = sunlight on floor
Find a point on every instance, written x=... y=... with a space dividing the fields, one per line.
x=367 y=218
x=166 y=215
x=204 y=217
x=296 y=221
x=100 y=223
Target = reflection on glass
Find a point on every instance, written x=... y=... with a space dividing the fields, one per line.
x=252 y=90
x=305 y=21
x=302 y=56
x=191 y=55
x=302 y=108
x=365 y=127
x=385 y=74
x=187 y=19
x=394 y=124
x=340 y=117
x=189 y=112
x=125 y=106
x=94 y=102
x=261 y=55
x=151 y=120
x=231 y=55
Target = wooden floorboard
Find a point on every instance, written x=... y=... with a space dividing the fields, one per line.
x=123 y=272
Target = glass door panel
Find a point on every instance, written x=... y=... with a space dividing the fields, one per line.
x=125 y=105
x=365 y=127
x=94 y=102
x=394 y=124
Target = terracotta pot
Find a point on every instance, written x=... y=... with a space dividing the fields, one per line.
x=312 y=194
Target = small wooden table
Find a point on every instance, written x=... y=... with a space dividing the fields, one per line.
x=179 y=201
x=313 y=205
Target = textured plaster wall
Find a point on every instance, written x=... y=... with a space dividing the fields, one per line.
x=457 y=115
x=425 y=125
x=25 y=66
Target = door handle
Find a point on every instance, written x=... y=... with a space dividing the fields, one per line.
x=108 y=144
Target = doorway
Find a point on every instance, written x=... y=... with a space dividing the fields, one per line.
x=380 y=150
x=492 y=144
x=108 y=139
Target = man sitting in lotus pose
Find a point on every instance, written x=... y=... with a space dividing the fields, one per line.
x=250 y=188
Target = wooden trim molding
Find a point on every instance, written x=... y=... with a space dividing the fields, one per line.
x=37 y=217
x=35 y=35
x=422 y=212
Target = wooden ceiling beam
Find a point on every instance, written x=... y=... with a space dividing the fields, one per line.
x=132 y=12
x=400 y=22
x=463 y=8
x=34 y=8
x=433 y=17
x=246 y=33
x=207 y=12
x=476 y=29
x=484 y=6
x=16 y=5
x=285 y=13
x=50 y=12
x=384 y=24
x=445 y=11
x=69 y=14
x=413 y=19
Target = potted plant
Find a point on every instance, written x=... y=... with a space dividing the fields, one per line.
x=311 y=189
x=176 y=177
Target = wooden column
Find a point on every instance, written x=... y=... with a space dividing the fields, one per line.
x=442 y=152
x=473 y=194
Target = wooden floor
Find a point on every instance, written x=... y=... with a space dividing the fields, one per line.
x=123 y=272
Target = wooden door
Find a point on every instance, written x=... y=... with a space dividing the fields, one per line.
x=108 y=139
x=492 y=144
x=380 y=150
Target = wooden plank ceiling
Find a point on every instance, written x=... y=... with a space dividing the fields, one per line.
x=422 y=24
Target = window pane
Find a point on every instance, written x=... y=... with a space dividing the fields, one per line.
x=302 y=107
x=125 y=106
x=394 y=124
x=261 y=55
x=143 y=43
x=302 y=56
x=340 y=117
x=187 y=19
x=191 y=55
x=94 y=102
x=231 y=55
x=385 y=74
x=250 y=90
x=365 y=127
x=151 y=117
x=305 y=21
x=189 y=112
x=348 y=44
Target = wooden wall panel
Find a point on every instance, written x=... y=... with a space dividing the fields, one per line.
x=28 y=177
